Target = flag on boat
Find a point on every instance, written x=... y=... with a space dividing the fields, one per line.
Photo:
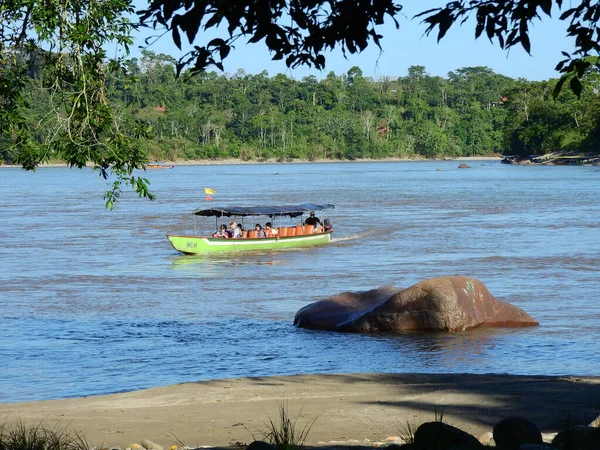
x=209 y=191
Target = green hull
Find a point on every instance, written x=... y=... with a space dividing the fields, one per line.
x=191 y=245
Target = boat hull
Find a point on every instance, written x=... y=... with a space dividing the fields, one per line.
x=158 y=166
x=191 y=245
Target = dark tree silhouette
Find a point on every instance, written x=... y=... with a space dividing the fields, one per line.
x=300 y=30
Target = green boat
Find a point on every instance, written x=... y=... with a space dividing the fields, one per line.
x=287 y=237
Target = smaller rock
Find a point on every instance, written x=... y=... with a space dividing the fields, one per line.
x=578 y=437
x=512 y=432
x=434 y=435
x=260 y=445
x=595 y=422
x=487 y=438
x=135 y=446
x=464 y=166
x=149 y=445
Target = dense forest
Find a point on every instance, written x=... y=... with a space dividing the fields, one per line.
x=473 y=111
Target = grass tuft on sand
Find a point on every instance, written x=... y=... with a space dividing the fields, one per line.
x=284 y=434
x=18 y=436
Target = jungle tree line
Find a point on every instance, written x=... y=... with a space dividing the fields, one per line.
x=472 y=111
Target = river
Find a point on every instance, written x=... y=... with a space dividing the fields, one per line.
x=94 y=301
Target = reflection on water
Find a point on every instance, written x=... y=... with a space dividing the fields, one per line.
x=363 y=235
x=213 y=264
x=103 y=293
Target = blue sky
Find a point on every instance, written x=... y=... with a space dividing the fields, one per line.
x=409 y=47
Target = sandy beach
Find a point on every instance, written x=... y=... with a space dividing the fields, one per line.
x=345 y=408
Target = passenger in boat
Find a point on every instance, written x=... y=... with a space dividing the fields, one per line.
x=269 y=230
x=327 y=225
x=222 y=233
x=234 y=231
x=260 y=233
x=313 y=220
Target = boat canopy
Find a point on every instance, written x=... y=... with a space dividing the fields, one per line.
x=264 y=210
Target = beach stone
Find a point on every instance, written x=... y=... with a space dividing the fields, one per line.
x=149 y=445
x=387 y=442
x=486 y=438
x=135 y=446
x=579 y=437
x=441 y=436
x=394 y=439
x=595 y=422
x=512 y=432
x=454 y=303
x=260 y=445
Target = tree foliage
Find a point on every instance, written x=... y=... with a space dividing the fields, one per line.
x=299 y=30
x=58 y=48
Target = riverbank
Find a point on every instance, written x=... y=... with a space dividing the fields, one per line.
x=215 y=162
x=346 y=409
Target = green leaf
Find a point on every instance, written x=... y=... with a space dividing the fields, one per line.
x=525 y=42
x=567 y=13
x=575 y=84
x=559 y=86
x=176 y=37
x=546 y=6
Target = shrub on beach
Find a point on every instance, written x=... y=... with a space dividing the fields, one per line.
x=18 y=436
x=285 y=434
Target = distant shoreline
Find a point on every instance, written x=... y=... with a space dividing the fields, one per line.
x=232 y=161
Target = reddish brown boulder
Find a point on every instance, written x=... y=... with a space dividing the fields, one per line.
x=441 y=304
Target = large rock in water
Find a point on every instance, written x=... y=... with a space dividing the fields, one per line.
x=440 y=304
